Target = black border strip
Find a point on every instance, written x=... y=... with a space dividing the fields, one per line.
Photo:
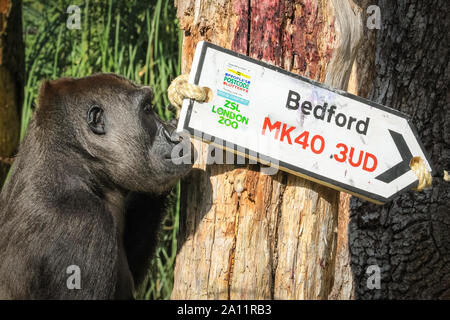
x=293 y=169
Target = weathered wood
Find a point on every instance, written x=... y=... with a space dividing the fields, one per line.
x=11 y=80
x=409 y=238
x=360 y=83
x=277 y=238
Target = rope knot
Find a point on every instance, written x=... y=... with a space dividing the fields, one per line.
x=418 y=166
x=181 y=89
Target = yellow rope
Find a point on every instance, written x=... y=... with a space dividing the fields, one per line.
x=181 y=89
x=446 y=176
x=418 y=166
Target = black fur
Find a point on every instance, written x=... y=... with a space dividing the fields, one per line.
x=86 y=190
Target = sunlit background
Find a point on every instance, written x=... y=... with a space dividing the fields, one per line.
x=137 y=39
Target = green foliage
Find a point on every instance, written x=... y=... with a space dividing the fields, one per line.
x=137 y=39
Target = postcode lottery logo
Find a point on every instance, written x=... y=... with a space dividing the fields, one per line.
x=231 y=111
x=236 y=80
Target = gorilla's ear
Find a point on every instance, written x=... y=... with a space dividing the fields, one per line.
x=96 y=119
x=46 y=93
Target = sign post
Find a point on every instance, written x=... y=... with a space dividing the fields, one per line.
x=304 y=127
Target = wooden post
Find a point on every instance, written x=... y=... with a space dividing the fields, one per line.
x=277 y=240
x=11 y=80
x=360 y=83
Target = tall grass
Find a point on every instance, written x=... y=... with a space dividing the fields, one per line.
x=137 y=39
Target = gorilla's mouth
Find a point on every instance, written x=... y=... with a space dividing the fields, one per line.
x=183 y=159
x=181 y=154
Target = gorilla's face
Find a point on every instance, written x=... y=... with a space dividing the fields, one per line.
x=128 y=142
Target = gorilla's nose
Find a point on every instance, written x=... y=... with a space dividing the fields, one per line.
x=174 y=122
x=172 y=135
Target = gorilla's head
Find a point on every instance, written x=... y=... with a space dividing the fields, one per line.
x=111 y=122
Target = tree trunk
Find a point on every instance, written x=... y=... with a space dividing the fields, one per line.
x=360 y=83
x=409 y=238
x=11 y=80
x=278 y=238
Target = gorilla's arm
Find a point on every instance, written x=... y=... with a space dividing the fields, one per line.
x=142 y=220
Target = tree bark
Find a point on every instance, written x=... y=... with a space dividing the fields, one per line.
x=11 y=80
x=277 y=239
x=360 y=83
x=409 y=238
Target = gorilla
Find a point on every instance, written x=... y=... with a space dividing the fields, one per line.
x=87 y=191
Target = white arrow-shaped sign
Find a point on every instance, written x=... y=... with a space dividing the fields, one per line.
x=306 y=128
